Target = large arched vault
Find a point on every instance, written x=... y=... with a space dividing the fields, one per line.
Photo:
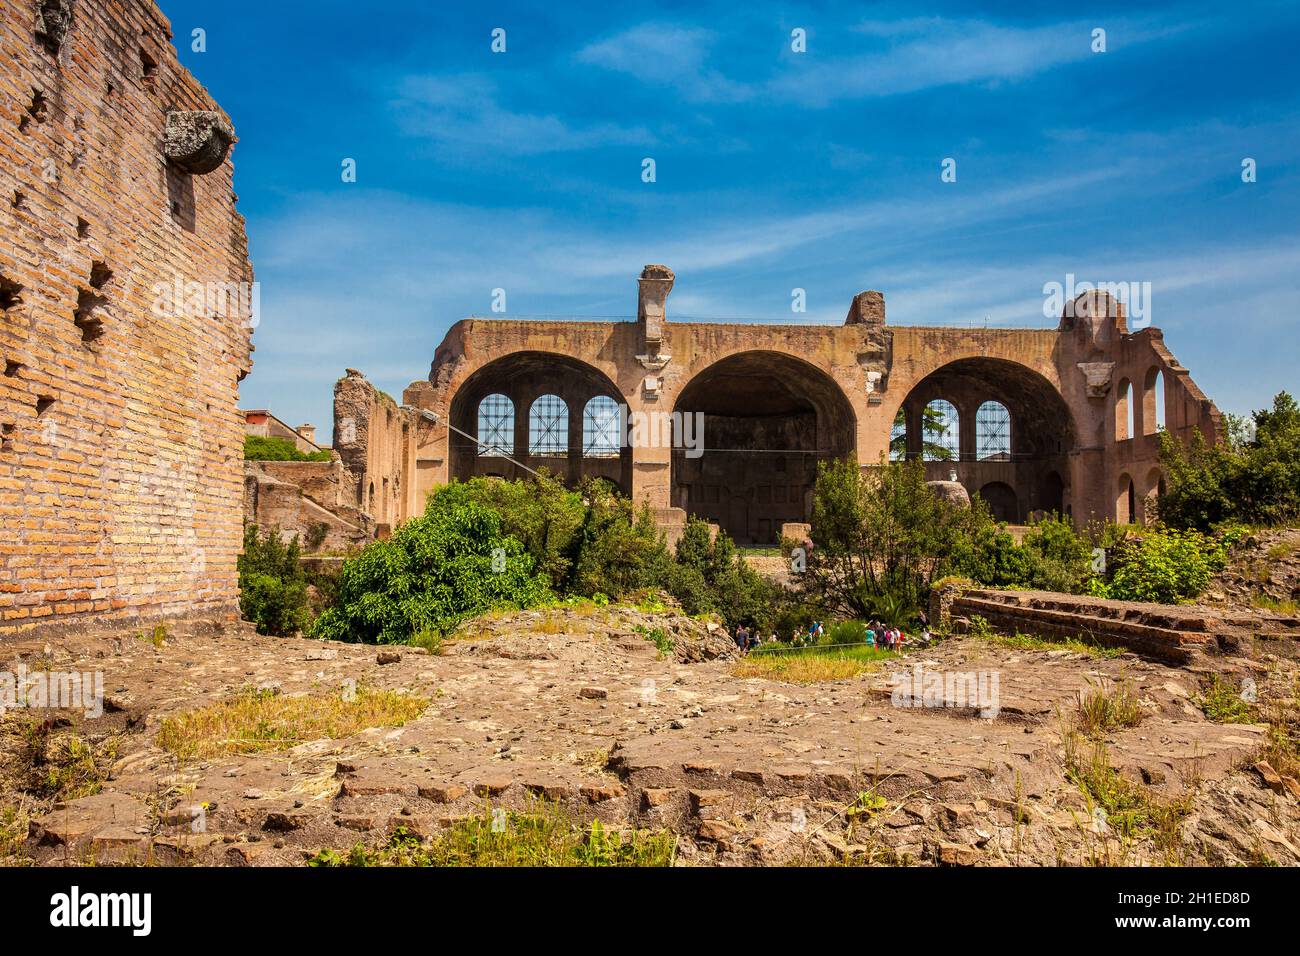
x=1007 y=434
x=539 y=410
x=764 y=420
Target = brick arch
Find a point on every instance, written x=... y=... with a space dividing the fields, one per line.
x=523 y=377
x=1043 y=431
x=768 y=417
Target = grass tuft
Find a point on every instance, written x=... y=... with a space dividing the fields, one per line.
x=1133 y=811
x=1028 y=642
x=1224 y=704
x=813 y=665
x=1266 y=602
x=262 y=721
x=1103 y=709
x=547 y=836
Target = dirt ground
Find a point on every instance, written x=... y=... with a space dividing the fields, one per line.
x=578 y=707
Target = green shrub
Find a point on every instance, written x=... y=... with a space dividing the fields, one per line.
x=1053 y=556
x=272 y=584
x=451 y=563
x=845 y=632
x=259 y=448
x=1237 y=480
x=1061 y=556
x=540 y=513
x=1163 y=567
x=709 y=574
x=619 y=549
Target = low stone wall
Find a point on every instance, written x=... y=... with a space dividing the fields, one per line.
x=1175 y=634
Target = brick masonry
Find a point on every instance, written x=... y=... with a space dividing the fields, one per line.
x=121 y=465
x=795 y=394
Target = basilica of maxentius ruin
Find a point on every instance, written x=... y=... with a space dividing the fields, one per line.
x=1034 y=421
x=123 y=489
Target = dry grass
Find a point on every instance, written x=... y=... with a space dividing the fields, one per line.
x=1280 y=709
x=805 y=668
x=14 y=823
x=1278 y=606
x=1104 y=709
x=1282 y=549
x=50 y=762
x=258 y=722
x=551 y=624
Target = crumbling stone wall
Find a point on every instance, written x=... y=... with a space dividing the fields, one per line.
x=308 y=499
x=373 y=437
x=120 y=438
x=1060 y=386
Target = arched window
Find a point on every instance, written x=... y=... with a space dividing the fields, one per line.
x=898 y=437
x=1153 y=402
x=940 y=431
x=600 y=428
x=496 y=426
x=993 y=432
x=1124 y=411
x=548 y=426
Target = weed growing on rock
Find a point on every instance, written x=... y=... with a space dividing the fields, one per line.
x=1223 y=703
x=1102 y=710
x=545 y=836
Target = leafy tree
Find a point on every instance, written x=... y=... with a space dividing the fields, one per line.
x=451 y=563
x=1251 y=481
x=260 y=448
x=619 y=547
x=272 y=583
x=539 y=512
x=880 y=533
x=933 y=429
x=710 y=575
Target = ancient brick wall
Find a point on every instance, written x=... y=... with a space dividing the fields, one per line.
x=309 y=499
x=1059 y=387
x=121 y=463
x=373 y=438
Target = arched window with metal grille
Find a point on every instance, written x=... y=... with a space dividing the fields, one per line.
x=940 y=427
x=600 y=428
x=898 y=437
x=548 y=426
x=993 y=432
x=496 y=426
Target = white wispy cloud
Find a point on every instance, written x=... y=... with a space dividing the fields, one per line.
x=897 y=56
x=666 y=55
x=465 y=112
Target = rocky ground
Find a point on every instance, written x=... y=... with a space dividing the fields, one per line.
x=582 y=707
x=1263 y=572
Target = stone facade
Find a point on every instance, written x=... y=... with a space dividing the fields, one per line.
x=777 y=399
x=376 y=440
x=120 y=435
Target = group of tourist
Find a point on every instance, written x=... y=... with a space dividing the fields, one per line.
x=748 y=638
x=888 y=638
x=874 y=634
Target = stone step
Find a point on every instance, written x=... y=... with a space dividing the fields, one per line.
x=1150 y=640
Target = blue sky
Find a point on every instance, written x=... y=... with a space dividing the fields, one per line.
x=775 y=170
